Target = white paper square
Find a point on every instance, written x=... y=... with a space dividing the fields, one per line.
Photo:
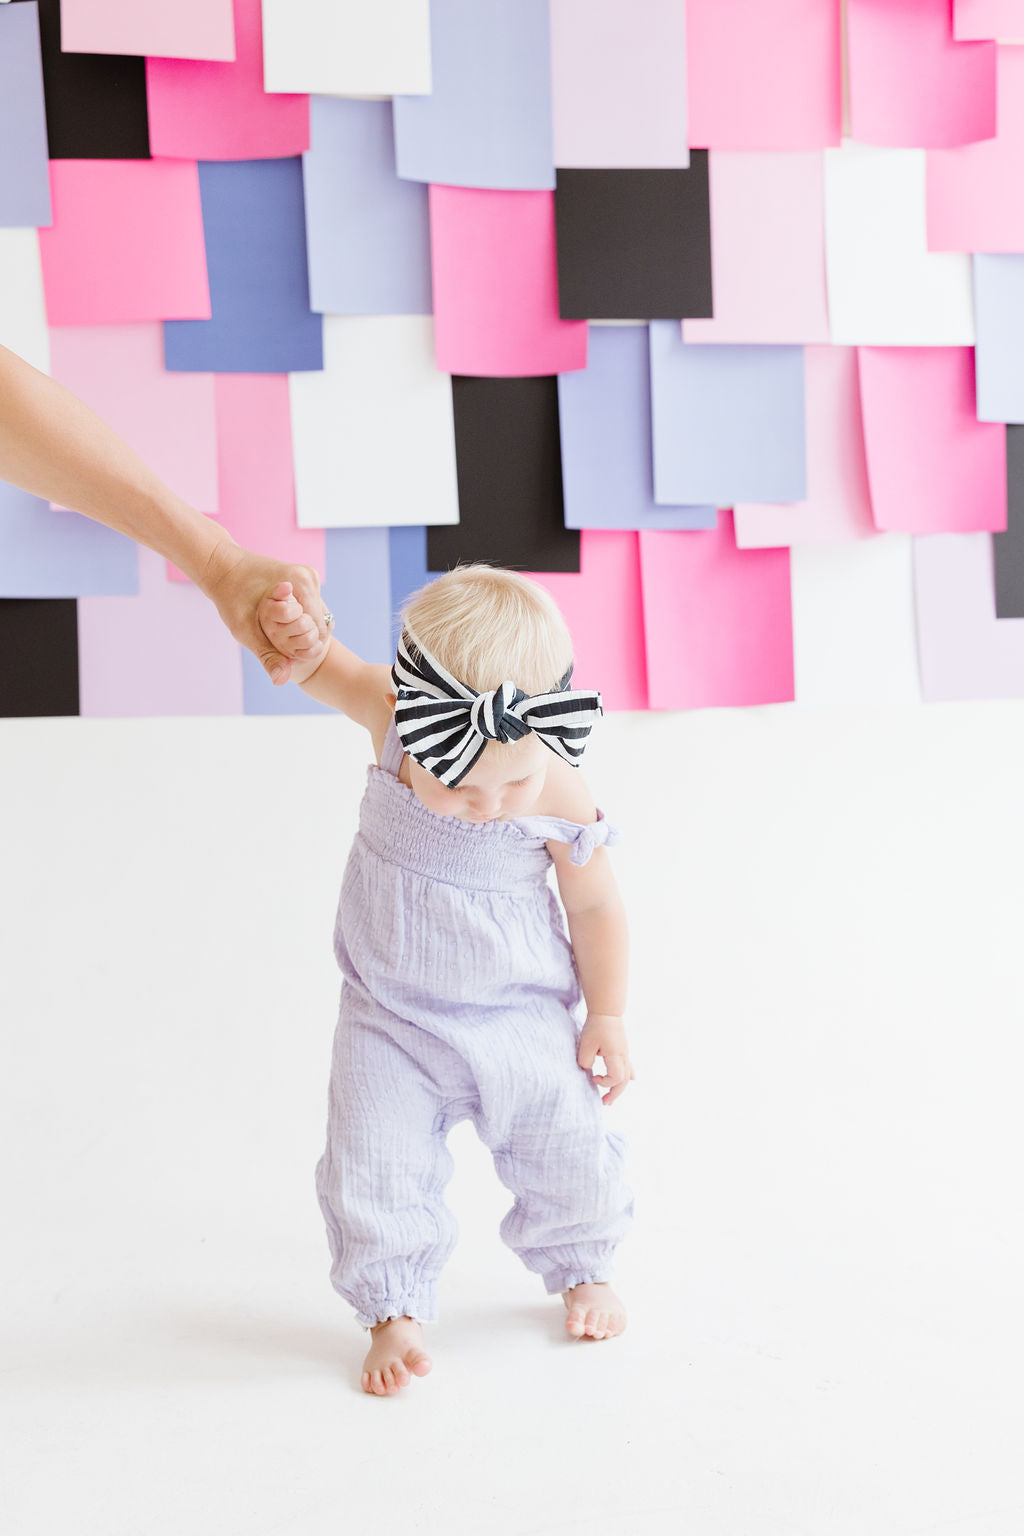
x=374 y=433
x=885 y=288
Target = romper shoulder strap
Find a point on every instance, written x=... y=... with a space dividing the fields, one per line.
x=392 y=750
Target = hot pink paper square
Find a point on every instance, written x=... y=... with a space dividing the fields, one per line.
x=221 y=111
x=973 y=201
x=718 y=620
x=763 y=76
x=126 y=243
x=495 y=281
x=933 y=467
x=911 y=85
x=603 y=609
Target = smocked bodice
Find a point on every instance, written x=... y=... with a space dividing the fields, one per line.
x=489 y=855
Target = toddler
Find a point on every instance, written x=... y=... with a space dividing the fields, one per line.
x=462 y=993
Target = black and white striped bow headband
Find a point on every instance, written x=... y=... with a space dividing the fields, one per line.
x=445 y=725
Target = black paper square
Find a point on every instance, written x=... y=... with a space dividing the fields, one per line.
x=95 y=102
x=509 y=461
x=634 y=245
x=1008 y=547
x=39 y=643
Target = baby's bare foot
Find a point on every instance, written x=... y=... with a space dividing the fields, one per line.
x=396 y=1350
x=594 y=1311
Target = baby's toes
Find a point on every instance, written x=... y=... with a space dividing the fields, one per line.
x=593 y=1320
x=576 y=1320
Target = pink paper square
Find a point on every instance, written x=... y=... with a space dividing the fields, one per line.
x=179 y=29
x=495 y=282
x=933 y=467
x=767 y=249
x=168 y=418
x=972 y=201
x=911 y=85
x=618 y=97
x=257 y=475
x=602 y=607
x=126 y=243
x=1000 y=19
x=165 y=652
x=221 y=111
x=718 y=620
x=763 y=76
x=838 y=504
x=965 y=651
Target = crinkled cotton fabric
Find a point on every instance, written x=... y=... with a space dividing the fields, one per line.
x=460 y=999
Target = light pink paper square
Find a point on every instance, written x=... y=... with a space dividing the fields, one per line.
x=603 y=609
x=618 y=84
x=176 y=29
x=965 y=652
x=165 y=652
x=838 y=504
x=257 y=475
x=911 y=85
x=763 y=76
x=767 y=249
x=999 y=19
x=221 y=111
x=933 y=467
x=973 y=201
x=168 y=418
x=718 y=620
x=495 y=282
x=126 y=243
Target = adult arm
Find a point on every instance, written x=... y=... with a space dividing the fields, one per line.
x=53 y=446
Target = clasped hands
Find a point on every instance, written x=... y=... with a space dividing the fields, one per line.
x=604 y=1035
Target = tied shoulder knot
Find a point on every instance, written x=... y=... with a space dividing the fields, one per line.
x=591 y=837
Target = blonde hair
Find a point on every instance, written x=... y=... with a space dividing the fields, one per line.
x=487 y=625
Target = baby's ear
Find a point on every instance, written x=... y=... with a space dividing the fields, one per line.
x=392 y=699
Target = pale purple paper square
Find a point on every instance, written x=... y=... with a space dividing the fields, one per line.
x=999 y=345
x=367 y=230
x=964 y=651
x=487 y=121
x=47 y=553
x=605 y=415
x=728 y=421
x=24 y=163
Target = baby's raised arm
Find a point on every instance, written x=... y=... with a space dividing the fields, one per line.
x=331 y=673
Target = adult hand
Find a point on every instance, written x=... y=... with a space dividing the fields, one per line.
x=235 y=579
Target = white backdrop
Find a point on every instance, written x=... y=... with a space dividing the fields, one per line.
x=825 y=1275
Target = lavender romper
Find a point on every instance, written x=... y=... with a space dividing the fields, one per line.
x=460 y=998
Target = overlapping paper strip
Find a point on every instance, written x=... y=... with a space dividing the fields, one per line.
x=607 y=293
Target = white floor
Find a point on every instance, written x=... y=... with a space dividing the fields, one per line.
x=826 y=1272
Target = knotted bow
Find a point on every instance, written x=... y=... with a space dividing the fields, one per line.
x=445 y=725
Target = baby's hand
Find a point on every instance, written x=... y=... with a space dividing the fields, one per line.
x=604 y=1035
x=289 y=628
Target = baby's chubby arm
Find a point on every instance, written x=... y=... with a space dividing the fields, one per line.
x=325 y=669
x=600 y=941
